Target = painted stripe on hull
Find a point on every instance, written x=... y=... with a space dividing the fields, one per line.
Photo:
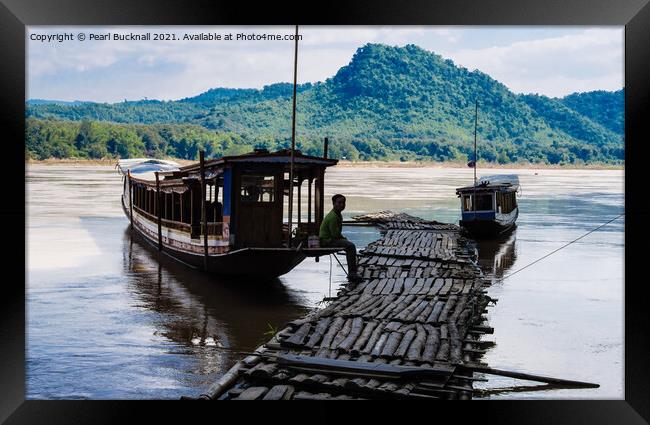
x=250 y=262
x=487 y=228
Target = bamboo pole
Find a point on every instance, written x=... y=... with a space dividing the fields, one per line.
x=158 y=211
x=475 y=159
x=530 y=377
x=204 y=216
x=293 y=137
x=130 y=198
x=299 y=199
x=309 y=200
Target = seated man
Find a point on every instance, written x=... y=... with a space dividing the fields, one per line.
x=330 y=235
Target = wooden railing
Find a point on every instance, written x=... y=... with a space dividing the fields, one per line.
x=214 y=228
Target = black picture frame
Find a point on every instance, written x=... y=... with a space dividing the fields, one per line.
x=15 y=15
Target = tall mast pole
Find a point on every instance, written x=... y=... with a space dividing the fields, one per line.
x=293 y=136
x=475 y=125
x=475 y=159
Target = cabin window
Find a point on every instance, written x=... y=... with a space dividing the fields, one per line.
x=508 y=202
x=483 y=202
x=255 y=188
x=215 y=201
x=467 y=203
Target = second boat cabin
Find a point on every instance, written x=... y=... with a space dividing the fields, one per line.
x=489 y=207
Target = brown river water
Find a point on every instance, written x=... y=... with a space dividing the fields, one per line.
x=107 y=318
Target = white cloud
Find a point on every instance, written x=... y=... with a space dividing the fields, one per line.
x=115 y=70
x=354 y=35
x=589 y=60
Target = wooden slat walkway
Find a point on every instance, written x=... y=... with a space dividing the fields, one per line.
x=405 y=331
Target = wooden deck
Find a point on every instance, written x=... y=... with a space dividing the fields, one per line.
x=411 y=329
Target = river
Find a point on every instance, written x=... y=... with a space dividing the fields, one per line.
x=108 y=319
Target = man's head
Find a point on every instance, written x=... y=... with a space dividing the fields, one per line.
x=338 y=201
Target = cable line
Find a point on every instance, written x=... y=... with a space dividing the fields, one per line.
x=562 y=247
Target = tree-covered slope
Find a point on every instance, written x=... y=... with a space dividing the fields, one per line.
x=387 y=103
x=603 y=107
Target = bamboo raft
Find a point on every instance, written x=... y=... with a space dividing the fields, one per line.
x=410 y=330
x=389 y=220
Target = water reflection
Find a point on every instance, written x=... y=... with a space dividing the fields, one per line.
x=496 y=256
x=110 y=317
x=204 y=310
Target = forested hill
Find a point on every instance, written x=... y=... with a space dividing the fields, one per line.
x=387 y=103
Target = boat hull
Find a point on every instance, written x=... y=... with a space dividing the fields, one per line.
x=264 y=263
x=490 y=227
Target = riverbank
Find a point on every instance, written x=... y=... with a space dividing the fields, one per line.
x=481 y=165
x=369 y=164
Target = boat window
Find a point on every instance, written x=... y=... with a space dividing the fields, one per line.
x=508 y=202
x=483 y=202
x=255 y=188
x=215 y=206
x=467 y=203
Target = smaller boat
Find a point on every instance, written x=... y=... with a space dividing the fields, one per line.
x=489 y=208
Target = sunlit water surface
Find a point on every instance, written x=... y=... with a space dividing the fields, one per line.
x=107 y=318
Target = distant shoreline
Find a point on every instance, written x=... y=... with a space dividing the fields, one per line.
x=366 y=164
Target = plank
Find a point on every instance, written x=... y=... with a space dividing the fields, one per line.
x=342 y=334
x=366 y=368
x=298 y=338
x=404 y=344
x=355 y=331
x=279 y=392
x=431 y=344
x=252 y=393
x=415 y=349
x=336 y=326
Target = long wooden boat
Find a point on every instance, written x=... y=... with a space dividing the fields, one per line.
x=227 y=215
x=489 y=208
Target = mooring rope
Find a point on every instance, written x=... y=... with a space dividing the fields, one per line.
x=340 y=264
x=330 y=289
x=558 y=249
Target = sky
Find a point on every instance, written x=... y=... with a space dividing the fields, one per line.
x=553 y=61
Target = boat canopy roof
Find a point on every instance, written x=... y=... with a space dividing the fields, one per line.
x=509 y=182
x=143 y=169
x=145 y=165
x=263 y=157
x=500 y=179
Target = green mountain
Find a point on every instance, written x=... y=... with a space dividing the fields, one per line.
x=387 y=103
x=603 y=107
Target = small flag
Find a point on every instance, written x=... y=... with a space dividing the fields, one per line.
x=471 y=164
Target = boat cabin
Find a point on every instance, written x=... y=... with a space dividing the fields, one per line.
x=491 y=205
x=227 y=204
x=244 y=198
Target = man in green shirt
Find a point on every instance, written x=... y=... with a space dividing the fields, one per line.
x=330 y=235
